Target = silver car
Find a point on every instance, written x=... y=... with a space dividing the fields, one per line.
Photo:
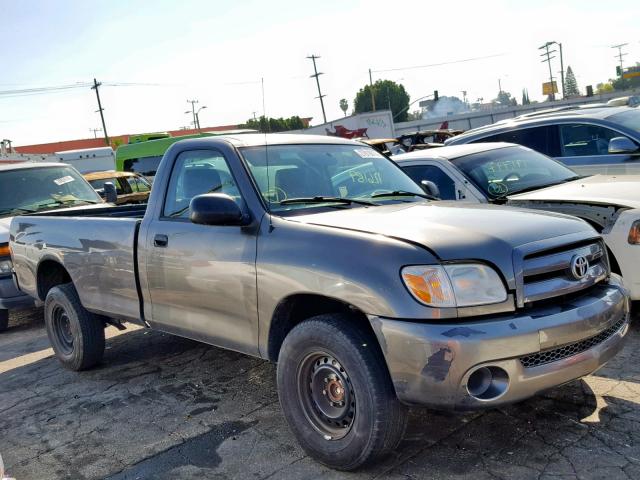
x=589 y=140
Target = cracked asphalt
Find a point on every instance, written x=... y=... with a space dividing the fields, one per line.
x=164 y=407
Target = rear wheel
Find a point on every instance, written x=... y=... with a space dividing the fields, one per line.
x=76 y=335
x=336 y=393
x=4 y=320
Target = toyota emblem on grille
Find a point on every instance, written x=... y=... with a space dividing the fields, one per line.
x=579 y=267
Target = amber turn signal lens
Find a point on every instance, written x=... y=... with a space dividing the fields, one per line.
x=4 y=250
x=634 y=233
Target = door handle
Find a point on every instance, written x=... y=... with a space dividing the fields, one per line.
x=160 y=240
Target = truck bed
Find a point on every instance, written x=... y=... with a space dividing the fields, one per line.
x=97 y=246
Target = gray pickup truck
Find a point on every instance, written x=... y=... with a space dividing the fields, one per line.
x=320 y=254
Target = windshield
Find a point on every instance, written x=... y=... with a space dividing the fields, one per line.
x=629 y=119
x=510 y=170
x=27 y=190
x=338 y=173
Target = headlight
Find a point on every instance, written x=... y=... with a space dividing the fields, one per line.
x=634 y=233
x=5 y=267
x=454 y=285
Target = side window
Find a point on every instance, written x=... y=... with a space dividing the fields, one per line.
x=124 y=188
x=445 y=184
x=142 y=185
x=196 y=172
x=581 y=139
x=541 y=139
x=131 y=181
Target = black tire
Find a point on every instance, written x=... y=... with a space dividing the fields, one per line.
x=76 y=335
x=4 y=320
x=366 y=421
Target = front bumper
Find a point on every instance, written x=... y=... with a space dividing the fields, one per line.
x=431 y=363
x=11 y=297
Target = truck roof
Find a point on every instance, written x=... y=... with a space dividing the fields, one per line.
x=262 y=139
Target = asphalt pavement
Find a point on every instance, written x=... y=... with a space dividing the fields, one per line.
x=163 y=407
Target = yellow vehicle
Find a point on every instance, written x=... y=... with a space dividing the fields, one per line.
x=130 y=187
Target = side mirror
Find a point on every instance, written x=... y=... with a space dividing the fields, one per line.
x=622 y=145
x=215 y=209
x=430 y=188
x=110 y=194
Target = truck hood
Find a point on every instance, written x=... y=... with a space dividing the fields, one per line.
x=621 y=190
x=455 y=230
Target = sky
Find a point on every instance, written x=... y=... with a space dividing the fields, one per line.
x=218 y=51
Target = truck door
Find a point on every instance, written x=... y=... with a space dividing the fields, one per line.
x=201 y=278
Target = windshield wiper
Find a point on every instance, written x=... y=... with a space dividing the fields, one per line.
x=346 y=201
x=404 y=193
x=17 y=210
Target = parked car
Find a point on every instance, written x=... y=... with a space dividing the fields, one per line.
x=629 y=101
x=27 y=188
x=589 y=140
x=130 y=187
x=321 y=254
x=508 y=174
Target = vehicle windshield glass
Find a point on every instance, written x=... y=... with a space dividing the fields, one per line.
x=34 y=189
x=505 y=171
x=629 y=119
x=337 y=172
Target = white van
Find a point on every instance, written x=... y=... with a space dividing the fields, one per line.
x=89 y=160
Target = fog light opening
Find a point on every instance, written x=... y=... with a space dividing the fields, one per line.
x=488 y=383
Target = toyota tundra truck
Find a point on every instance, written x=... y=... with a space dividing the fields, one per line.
x=320 y=254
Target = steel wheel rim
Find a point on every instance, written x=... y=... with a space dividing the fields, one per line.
x=327 y=395
x=62 y=329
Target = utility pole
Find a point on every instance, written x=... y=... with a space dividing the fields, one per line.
x=193 y=112
x=95 y=130
x=316 y=75
x=95 y=87
x=620 y=55
x=373 y=97
x=561 y=69
x=547 y=53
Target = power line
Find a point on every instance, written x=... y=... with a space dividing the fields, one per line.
x=464 y=60
x=316 y=75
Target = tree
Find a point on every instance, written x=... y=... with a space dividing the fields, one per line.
x=272 y=125
x=525 y=97
x=570 y=84
x=415 y=115
x=344 y=106
x=604 y=88
x=387 y=94
x=503 y=98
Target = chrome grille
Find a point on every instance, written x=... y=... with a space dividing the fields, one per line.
x=548 y=273
x=555 y=354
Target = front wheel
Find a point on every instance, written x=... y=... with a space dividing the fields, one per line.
x=76 y=335
x=4 y=320
x=336 y=393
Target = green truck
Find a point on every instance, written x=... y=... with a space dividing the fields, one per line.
x=143 y=152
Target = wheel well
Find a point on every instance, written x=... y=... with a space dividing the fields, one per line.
x=50 y=274
x=297 y=308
